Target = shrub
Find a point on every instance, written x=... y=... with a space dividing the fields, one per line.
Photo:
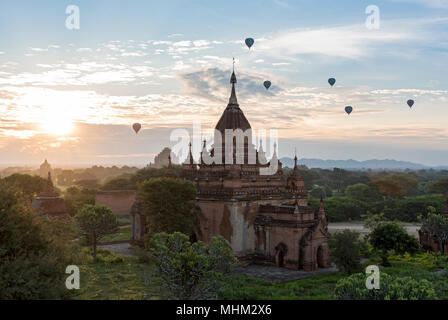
x=406 y=288
x=189 y=270
x=345 y=250
x=387 y=236
x=33 y=252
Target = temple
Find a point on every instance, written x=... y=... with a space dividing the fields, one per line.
x=263 y=216
x=48 y=202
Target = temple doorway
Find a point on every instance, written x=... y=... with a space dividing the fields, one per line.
x=280 y=252
x=320 y=257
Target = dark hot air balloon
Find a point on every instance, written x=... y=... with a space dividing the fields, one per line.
x=249 y=42
x=410 y=103
x=136 y=127
x=348 y=109
x=267 y=84
x=332 y=81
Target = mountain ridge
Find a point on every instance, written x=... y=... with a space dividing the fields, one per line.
x=373 y=164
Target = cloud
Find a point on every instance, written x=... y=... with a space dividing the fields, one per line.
x=428 y=3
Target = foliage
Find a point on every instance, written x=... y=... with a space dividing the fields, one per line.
x=119 y=184
x=362 y=192
x=95 y=222
x=319 y=192
x=76 y=198
x=395 y=184
x=436 y=225
x=33 y=252
x=29 y=186
x=344 y=209
x=88 y=183
x=190 y=270
x=345 y=250
x=168 y=204
x=148 y=173
x=354 y=288
x=387 y=236
x=440 y=186
x=411 y=208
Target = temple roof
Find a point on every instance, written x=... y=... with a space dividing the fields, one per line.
x=233 y=117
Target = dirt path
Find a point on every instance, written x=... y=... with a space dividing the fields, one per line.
x=121 y=248
x=272 y=273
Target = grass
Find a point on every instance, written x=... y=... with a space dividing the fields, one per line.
x=123 y=279
x=122 y=235
x=116 y=277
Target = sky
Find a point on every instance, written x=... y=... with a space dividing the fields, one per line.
x=72 y=95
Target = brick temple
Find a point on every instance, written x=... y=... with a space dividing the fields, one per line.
x=262 y=216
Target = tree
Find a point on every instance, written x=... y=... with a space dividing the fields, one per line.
x=362 y=192
x=30 y=186
x=387 y=236
x=344 y=208
x=88 y=183
x=189 y=270
x=345 y=250
x=119 y=184
x=95 y=222
x=169 y=204
x=33 y=257
x=148 y=173
x=440 y=186
x=76 y=198
x=396 y=184
x=406 y=288
x=436 y=225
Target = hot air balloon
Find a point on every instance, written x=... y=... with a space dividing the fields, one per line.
x=410 y=103
x=332 y=81
x=348 y=109
x=267 y=84
x=136 y=127
x=249 y=42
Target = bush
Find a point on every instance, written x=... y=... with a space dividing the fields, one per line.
x=345 y=250
x=387 y=236
x=406 y=288
x=33 y=252
x=189 y=270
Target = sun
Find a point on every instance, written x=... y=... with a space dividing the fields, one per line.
x=57 y=125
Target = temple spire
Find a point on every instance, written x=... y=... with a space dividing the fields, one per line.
x=190 y=154
x=50 y=186
x=233 y=100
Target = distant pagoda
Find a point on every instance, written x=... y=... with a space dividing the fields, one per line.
x=48 y=201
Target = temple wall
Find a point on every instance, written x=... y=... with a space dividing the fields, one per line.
x=119 y=201
x=234 y=220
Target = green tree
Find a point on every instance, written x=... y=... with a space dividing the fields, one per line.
x=344 y=209
x=440 y=186
x=436 y=225
x=119 y=184
x=29 y=186
x=387 y=236
x=362 y=192
x=95 y=222
x=345 y=250
x=33 y=252
x=189 y=270
x=406 y=288
x=148 y=173
x=169 y=204
x=76 y=198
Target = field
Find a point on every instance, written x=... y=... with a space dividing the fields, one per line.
x=116 y=277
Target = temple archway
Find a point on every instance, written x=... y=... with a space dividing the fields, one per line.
x=320 y=257
x=280 y=252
